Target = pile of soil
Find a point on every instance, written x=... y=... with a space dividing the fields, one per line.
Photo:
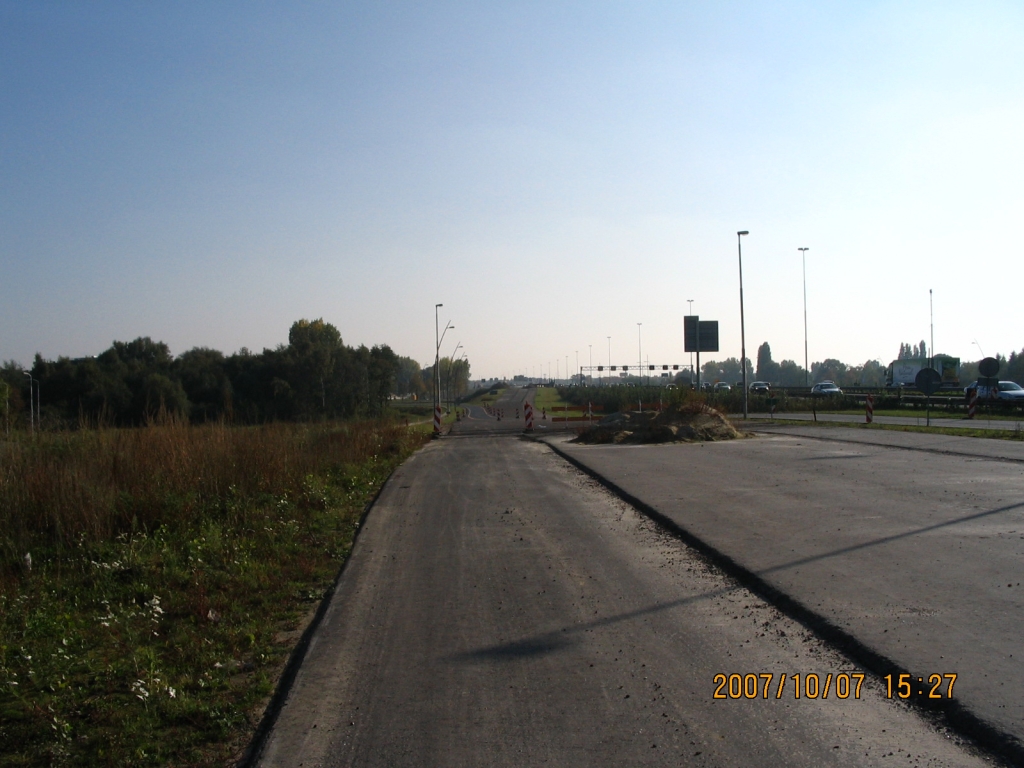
x=687 y=424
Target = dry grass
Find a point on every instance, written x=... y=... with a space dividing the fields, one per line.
x=170 y=568
x=60 y=489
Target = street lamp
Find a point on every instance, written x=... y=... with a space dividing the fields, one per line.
x=807 y=370
x=591 y=362
x=448 y=378
x=640 y=355
x=743 y=333
x=31 y=406
x=609 y=355
x=437 y=360
x=690 y=302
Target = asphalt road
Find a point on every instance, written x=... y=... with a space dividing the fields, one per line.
x=912 y=544
x=507 y=415
x=502 y=609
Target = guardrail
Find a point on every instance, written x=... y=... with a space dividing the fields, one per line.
x=951 y=400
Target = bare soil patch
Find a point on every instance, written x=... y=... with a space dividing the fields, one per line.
x=688 y=423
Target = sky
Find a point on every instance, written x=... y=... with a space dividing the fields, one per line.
x=553 y=173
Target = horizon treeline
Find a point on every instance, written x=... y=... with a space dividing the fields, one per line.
x=314 y=376
x=871 y=373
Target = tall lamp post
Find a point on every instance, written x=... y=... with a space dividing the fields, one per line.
x=437 y=360
x=692 y=379
x=609 y=356
x=31 y=404
x=591 y=361
x=639 y=355
x=931 y=320
x=448 y=382
x=807 y=370
x=743 y=332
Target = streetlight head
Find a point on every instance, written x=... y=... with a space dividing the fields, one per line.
x=744 y=232
x=439 y=305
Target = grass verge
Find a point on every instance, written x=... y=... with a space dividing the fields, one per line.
x=172 y=569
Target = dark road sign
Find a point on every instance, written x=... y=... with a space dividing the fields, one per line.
x=928 y=380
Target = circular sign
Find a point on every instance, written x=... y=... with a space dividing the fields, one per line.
x=989 y=366
x=928 y=380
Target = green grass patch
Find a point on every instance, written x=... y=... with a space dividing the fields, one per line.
x=172 y=569
x=551 y=399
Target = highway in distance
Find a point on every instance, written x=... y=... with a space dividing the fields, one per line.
x=501 y=608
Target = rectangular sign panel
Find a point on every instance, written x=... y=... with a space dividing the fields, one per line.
x=690 y=333
x=699 y=335
x=708 y=331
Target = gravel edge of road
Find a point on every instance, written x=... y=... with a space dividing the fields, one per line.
x=950 y=713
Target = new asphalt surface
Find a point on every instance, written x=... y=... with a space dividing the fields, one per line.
x=502 y=608
x=910 y=545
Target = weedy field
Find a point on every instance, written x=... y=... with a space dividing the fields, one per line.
x=153 y=581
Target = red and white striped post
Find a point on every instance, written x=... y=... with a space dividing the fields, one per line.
x=529 y=416
x=869 y=409
x=972 y=403
x=437 y=419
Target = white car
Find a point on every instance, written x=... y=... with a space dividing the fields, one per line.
x=1008 y=391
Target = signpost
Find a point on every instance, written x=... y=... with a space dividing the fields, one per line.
x=928 y=380
x=699 y=336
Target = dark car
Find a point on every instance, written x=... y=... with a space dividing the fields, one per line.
x=760 y=388
x=826 y=389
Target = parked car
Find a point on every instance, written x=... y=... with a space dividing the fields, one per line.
x=1009 y=391
x=825 y=389
x=721 y=386
x=760 y=388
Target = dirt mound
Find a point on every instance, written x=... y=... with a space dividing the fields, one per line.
x=688 y=424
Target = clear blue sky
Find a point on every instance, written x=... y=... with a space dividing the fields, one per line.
x=554 y=173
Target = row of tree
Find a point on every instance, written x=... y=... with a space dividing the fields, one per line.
x=314 y=376
x=870 y=374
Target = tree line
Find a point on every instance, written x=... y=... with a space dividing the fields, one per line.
x=314 y=376
x=869 y=374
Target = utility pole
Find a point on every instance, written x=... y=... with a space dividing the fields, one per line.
x=639 y=355
x=807 y=370
x=931 y=314
x=31 y=405
x=690 y=302
x=743 y=333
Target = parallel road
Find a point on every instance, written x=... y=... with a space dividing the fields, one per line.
x=502 y=609
x=910 y=544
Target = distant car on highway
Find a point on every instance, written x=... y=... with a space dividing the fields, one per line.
x=1009 y=391
x=760 y=388
x=825 y=389
x=721 y=386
